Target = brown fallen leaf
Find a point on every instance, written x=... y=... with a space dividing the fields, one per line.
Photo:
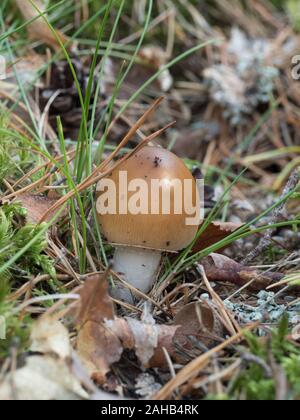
x=23 y=70
x=97 y=346
x=215 y=232
x=197 y=319
x=102 y=337
x=149 y=339
x=221 y=268
x=39 y=29
x=133 y=334
x=37 y=206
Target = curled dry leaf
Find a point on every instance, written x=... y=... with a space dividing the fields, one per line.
x=198 y=320
x=215 y=232
x=39 y=29
x=24 y=70
x=102 y=337
x=145 y=336
x=97 y=346
x=221 y=268
x=149 y=339
x=37 y=206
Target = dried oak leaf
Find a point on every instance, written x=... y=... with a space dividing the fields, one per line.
x=37 y=206
x=215 y=232
x=97 y=346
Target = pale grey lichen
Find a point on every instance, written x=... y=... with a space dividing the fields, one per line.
x=266 y=310
x=246 y=81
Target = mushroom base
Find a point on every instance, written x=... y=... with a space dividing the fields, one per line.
x=137 y=266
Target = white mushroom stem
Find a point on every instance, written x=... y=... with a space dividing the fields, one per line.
x=137 y=266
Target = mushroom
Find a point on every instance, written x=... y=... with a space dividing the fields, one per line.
x=145 y=224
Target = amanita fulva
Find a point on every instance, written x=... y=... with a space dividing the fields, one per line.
x=143 y=227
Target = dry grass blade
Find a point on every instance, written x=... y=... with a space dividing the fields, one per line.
x=39 y=29
x=132 y=131
x=70 y=154
x=41 y=181
x=229 y=322
x=194 y=367
x=28 y=188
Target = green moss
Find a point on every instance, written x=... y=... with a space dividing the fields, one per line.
x=291 y=366
x=253 y=383
x=16 y=158
x=14 y=237
x=293 y=9
x=17 y=327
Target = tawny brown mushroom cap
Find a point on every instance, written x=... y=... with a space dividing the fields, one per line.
x=155 y=231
